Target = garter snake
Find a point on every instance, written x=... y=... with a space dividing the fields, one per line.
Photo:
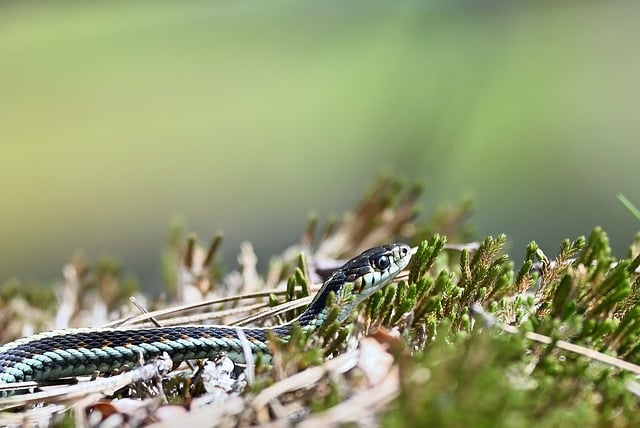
x=83 y=351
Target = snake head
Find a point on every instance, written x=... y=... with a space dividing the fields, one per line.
x=366 y=274
x=375 y=268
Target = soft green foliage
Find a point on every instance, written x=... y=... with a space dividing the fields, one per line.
x=470 y=373
x=190 y=263
x=34 y=294
x=488 y=380
x=630 y=206
x=298 y=286
x=107 y=279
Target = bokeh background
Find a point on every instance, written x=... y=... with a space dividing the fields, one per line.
x=117 y=118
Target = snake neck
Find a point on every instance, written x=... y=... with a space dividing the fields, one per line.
x=316 y=313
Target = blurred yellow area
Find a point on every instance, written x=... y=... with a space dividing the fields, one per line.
x=117 y=117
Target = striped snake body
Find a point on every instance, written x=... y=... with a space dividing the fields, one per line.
x=83 y=351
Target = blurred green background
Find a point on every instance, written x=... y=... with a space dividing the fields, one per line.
x=118 y=117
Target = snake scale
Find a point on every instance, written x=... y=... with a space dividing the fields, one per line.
x=83 y=351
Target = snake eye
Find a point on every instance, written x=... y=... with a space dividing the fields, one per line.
x=381 y=262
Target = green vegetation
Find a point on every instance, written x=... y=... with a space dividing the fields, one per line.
x=464 y=338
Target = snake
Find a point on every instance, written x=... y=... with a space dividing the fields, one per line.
x=84 y=351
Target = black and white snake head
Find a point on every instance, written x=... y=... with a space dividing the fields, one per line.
x=374 y=268
x=362 y=276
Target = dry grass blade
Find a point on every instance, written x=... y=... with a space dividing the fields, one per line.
x=38 y=416
x=198 y=318
x=206 y=416
x=576 y=349
x=360 y=406
x=276 y=310
x=192 y=306
x=306 y=378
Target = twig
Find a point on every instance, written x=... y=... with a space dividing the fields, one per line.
x=305 y=378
